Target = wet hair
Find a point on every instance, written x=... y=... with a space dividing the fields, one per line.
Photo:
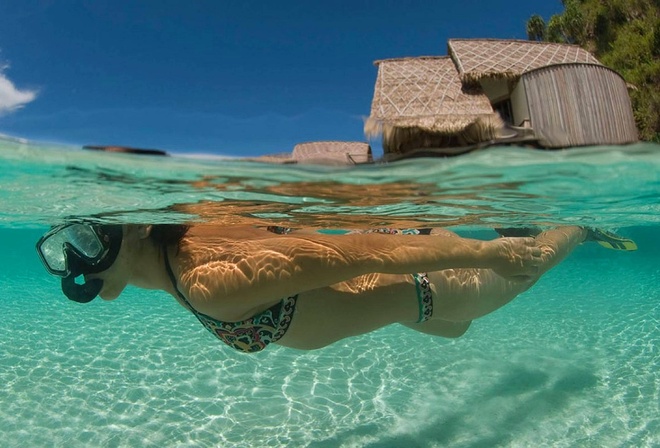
x=168 y=234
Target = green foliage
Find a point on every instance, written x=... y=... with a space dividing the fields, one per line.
x=622 y=34
x=655 y=44
x=572 y=21
x=555 y=31
x=568 y=27
x=536 y=28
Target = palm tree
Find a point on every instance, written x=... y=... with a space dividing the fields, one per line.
x=536 y=28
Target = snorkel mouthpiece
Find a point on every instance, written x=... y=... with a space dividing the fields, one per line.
x=84 y=293
x=111 y=237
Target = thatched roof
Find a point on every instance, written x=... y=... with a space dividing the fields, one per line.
x=322 y=153
x=282 y=158
x=421 y=103
x=424 y=93
x=476 y=59
x=345 y=153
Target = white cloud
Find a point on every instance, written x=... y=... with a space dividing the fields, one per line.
x=10 y=97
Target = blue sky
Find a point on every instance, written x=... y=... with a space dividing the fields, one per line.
x=225 y=77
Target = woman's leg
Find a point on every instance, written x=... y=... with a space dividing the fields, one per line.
x=364 y=304
x=372 y=301
x=465 y=294
x=360 y=306
x=442 y=328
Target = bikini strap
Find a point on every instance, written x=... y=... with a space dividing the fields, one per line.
x=424 y=296
x=170 y=273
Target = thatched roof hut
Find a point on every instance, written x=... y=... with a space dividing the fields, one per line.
x=491 y=91
x=280 y=158
x=477 y=59
x=333 y=152
x=322 y=153
x=421 y=102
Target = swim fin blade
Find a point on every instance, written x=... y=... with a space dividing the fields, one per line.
x=611 y=240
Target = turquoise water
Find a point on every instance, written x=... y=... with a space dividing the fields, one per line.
x=573 y=362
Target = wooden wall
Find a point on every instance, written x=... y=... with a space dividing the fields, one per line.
x=579 y=104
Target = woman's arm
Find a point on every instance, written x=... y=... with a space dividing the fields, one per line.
x=252 y=272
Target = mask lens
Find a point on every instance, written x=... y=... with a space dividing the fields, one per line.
x=81 y=238
x=84 y=240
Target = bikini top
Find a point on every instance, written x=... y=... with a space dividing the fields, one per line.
x=250 y=335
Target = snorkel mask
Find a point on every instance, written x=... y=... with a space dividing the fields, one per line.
x=71 y=250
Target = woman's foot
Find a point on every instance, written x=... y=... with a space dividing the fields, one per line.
x=610 y=240
x=606 y=239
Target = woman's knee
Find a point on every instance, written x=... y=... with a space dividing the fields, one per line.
x=457 y=329
x=442 y=328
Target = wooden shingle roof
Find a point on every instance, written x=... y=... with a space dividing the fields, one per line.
x=493 y=58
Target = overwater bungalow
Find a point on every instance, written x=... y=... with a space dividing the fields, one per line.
x=489 y=91
x=337 y=152
x=323 y=153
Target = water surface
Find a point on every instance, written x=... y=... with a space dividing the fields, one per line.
x=572 y=362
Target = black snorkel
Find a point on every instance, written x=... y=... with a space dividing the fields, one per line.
x=111 y=237
x=84 y=293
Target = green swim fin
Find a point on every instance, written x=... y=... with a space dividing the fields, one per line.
x=610 y=240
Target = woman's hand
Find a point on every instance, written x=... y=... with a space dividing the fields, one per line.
x=517 y=259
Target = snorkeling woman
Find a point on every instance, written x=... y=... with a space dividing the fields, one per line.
x=305 y=289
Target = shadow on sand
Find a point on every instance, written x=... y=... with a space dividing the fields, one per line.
x=537 y=397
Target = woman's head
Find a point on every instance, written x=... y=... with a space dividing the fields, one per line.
x=76 y=249
x=139 y=260
x=108 y=256
x=168 y=234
